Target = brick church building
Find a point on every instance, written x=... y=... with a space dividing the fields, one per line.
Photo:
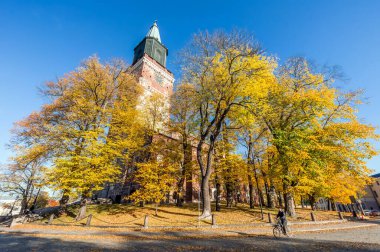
x=149 y=67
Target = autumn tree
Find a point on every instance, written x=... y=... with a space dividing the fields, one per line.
x=182 y=128
x=342 y=144
x=221 y=67
x=288 y=111
x=90 y=129
x=230 y=170
x=299 y=106
x=250 y=136
x=155 y=176
x=23 y=177
x=155 y=110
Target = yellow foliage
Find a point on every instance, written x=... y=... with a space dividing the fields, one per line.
x=92 y=126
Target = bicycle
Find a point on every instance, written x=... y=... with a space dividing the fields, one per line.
x=278 y=229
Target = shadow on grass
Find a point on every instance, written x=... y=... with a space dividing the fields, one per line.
x=72 y=212
x=181 y=216
x=160 y=210
x=115 y=209
x=366 y=221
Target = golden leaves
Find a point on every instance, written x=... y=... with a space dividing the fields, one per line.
x=91 y=123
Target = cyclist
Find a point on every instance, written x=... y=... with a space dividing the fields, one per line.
x=282 y=216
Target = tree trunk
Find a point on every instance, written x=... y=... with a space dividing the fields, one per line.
x=359 y=205
x=266 y=187
x=236 y=194
x=271 y=197
x=289 y=205
x=280 y=201
x=186 y=174
x=329 y=207
x=24 y=204
x=82 y=211
x=251 y=199
x=289 y=202
x=188 y=156
x=274 y=196
x=205 y=189
x=179 y=200
x=217 y=198
x=35 y=201
x=312 y=202
x=302 y=204
x=64 y=199
x=26 y=196
x=333 y=205
x=249 y=171
x=179 y=195
x=269 y=202
x=261 y=195
x=229 y=191
x=205 y=171
x=259 y=192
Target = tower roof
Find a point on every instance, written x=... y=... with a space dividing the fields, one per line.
x=154 y=32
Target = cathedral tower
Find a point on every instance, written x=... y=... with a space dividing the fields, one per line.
x=149 y=65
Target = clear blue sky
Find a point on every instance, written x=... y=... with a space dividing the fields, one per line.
x=42 y=40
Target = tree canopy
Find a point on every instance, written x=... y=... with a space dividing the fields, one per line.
x=284 y=131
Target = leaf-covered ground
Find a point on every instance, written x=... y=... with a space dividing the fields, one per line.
x=186 y=216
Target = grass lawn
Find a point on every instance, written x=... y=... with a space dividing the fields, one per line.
x=170 y=215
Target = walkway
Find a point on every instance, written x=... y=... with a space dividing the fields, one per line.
x=355 y=236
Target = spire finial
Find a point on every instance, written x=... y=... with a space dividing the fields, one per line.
x=154 y=32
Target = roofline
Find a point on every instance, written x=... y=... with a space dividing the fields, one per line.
x=377 y=175
x=167 y=50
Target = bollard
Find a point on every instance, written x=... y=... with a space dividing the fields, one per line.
x=146 y=219
x=51 y=219
x=312 y=216
x=88 y=223
x=341 y=216
x=213 y=220
x=270 y=218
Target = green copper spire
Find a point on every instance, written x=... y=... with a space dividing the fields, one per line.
x=154 y=32
x=152 y=46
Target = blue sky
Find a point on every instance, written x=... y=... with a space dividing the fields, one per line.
x=42 y=40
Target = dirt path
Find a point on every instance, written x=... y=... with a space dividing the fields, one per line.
x=356 y=237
